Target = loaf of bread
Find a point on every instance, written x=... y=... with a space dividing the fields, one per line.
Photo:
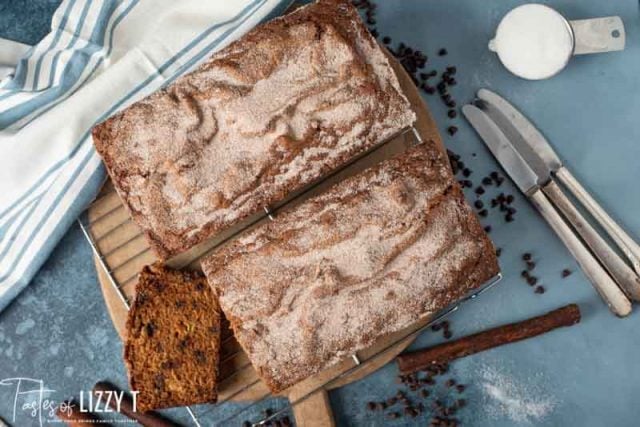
x=372 y=255
x=273 y=112
x=173 y=339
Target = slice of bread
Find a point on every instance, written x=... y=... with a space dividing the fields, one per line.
x=173 y=339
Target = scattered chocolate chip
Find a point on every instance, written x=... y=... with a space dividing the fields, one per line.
x=498 y=252
x=452 y=130
x=524 y=273
x=532 y=280
x=566 y=273
x=460 y=388
x=452 y=114
x=442 y=52
x=539 y=290
x=486 y=181
x=447 y=334
x=483 y=213
x=487 y=229
x=386 y=40
x=371 y=406
x=479 y=190
x=526 y=256
x=246 y=424
x=478 y=204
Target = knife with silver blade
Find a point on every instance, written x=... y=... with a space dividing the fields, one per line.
x=537 y=145
x=536 y=151
x=528 y=181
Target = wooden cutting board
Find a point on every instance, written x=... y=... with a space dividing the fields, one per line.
x=124 y=252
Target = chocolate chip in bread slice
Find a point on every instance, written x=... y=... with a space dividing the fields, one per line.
x=173 y=339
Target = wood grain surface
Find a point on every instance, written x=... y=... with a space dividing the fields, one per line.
x=125 y=252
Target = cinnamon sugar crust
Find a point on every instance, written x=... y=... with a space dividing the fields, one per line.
x=276 y=110
x=370 y=256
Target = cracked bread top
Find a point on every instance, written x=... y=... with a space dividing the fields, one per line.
x=370 y=256
x=274 y=111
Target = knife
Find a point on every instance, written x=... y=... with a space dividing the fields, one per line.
x=537 y=152
x=534 y=145
x=528 y=181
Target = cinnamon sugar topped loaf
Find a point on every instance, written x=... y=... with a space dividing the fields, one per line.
x=371 y=256
x=276 y=110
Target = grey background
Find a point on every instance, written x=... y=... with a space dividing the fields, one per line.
x=58 y=330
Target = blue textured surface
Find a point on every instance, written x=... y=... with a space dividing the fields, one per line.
x=58 y=329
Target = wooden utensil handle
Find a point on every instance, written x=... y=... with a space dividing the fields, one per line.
x=147 y=419
x=314 y=411
x=75 y=418
x=622 y=239
x=617 y=301
x=623 y=275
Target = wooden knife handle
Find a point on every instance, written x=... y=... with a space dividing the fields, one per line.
x=617 y=301
x=621 y=273
x=630 y=248
x=75 y=418
x=147 y=419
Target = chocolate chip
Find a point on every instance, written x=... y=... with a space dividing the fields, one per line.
x=478 y=204
x=479 y=190
x=509 y=199
x=498 y=252
x=532 y=280
x=429 y=89
x=371 y=406
x=451 y=69
x=149 y=329
x=483 y=213
x=508 y=218
x=158 y=381
x=524 y=273
x=487 y=229
x=566 y=273
x=452 y=130
x=486 y=181
x=436 y=327
x=442 y=52
x=452 y=114
x=460 y=388
x=447 y=334
x=526 y=256
x=531 y=265
x=246 y=424
x=201 y=357
x=386 y=40
x=539 y=290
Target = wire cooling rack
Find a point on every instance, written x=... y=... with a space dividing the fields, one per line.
x=121 y=251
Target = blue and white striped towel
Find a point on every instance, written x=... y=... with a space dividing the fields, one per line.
x=99 y=57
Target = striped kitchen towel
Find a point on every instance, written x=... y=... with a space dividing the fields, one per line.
x=101 y=56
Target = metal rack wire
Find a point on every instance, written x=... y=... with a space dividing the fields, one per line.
x=121 y=251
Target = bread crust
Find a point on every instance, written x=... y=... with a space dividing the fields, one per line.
x=372 y=255
x=280 y=108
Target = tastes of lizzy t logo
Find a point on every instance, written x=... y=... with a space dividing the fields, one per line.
x=32 y=400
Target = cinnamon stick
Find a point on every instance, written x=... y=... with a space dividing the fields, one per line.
x=506 y=334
